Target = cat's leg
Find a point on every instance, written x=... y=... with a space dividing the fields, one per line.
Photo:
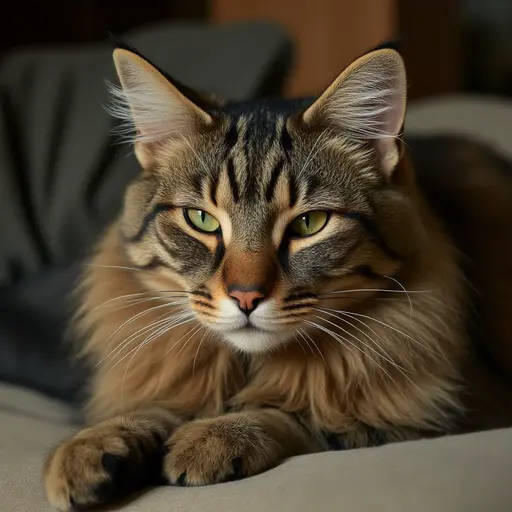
x=108 y=460
x=235 y=445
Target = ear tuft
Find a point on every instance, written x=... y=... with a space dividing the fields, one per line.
x=150 y=108
x=366 y=103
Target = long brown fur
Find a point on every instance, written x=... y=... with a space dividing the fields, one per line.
x=203 y=412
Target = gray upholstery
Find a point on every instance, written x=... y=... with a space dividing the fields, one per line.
x=455 y=474
x=62 y=175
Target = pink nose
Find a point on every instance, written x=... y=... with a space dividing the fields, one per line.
x=247 y=299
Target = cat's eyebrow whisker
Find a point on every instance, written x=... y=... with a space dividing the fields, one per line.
x=382 y=352
x=338 y=338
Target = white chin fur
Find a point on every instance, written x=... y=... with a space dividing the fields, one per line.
x=255 y=341
x=251 y=340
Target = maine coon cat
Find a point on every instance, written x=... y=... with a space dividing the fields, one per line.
x=277 y=284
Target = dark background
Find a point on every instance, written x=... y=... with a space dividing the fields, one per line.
x=449 y=45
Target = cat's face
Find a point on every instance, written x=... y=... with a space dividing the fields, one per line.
x=264 y=212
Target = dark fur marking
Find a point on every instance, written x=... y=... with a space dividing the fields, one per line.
x=300 y=296
x=274 y=177
x=286 y=141
x=171 y=251
x=148 y=219
x=219 y=254
x=204 y=304
x=298 y=306
x=294 y=190
x=232 y=180
x=231 y=139
x=214 y=183
x=206 y=295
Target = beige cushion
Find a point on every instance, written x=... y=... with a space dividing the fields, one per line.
x=489 y=119
x=464 y=473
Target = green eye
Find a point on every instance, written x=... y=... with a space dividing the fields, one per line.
x=309 y=223
x=201 y=220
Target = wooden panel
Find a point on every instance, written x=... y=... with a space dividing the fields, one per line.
x=432 y=36
x=329 y=34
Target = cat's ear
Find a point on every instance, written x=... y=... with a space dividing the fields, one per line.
x=151 y=109
x=367 y=103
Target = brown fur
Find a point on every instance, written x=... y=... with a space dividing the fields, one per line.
x=387 y=370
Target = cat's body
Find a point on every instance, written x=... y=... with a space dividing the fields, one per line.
x=241 y=336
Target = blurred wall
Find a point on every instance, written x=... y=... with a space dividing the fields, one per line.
x=329 y=34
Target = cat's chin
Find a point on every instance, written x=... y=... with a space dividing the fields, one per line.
x=253 y=340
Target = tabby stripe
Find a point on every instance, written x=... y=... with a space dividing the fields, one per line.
x=219 y=254
x=230 y=139
x=294 y=191
x=286 y=141
x=204 y=304
x=274 y=177
x=300 y=296
x=298 y=306
x=213 y=189
x=148 y=219
x=232 y=180
x=206 y=295
x=170 y=250
x=373 y=233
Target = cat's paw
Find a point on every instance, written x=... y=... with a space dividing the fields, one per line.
x=104 y=463
x=218 y=450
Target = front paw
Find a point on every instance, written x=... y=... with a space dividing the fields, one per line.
x=219 y=450
x=103 y=463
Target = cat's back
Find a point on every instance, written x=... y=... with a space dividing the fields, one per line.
x=470 y=188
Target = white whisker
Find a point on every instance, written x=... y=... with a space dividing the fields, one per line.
x=303 y=334
x=405 y=291
x=382 y=352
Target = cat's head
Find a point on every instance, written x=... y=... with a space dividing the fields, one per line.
x=264 y=211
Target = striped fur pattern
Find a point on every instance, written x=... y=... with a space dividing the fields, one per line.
x=357 y=340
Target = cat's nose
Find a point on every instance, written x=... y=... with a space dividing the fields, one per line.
x=247 y=299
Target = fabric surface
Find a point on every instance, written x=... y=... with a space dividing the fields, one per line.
x=468 y=473
x=62 y=176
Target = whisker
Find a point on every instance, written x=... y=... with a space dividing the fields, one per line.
x=139 y=347
x=403 y=288
x=161 y=320
x=303 y=334
x=142 y=313
x=298 y=342
x=382 y=354
x=353 y=314
x=376 y=290
x=337 y=337
x=148 y=340
x=208 y=333
x=121 y=267
x=139 y=294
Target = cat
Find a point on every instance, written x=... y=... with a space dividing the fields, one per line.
x=278 y=283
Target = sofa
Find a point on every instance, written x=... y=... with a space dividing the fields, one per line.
x=61 y=181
